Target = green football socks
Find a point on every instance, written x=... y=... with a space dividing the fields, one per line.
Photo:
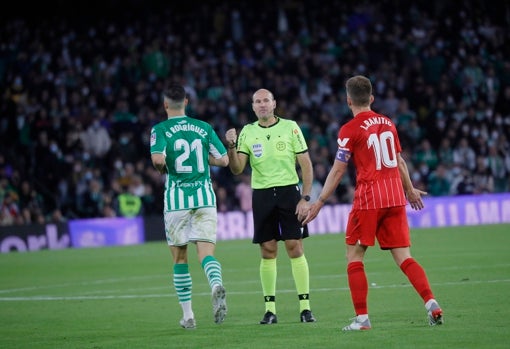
x=183 y=286
x=212 y=269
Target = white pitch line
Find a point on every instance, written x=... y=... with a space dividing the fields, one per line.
x=230 y=293
x=83 y=283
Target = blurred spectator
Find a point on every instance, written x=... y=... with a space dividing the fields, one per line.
x=445 y=153
x=413 y=133
x=127 y=203
x=404 y=115
x=56 y=217
x=223 y=200
x=124 y=175
x=96 y=140
x=464 y=155
x=126 y=148
x=26 y=216
x=91 y=201
x=9 y=209
x=482 y=178
x=243 y=192
x=29 y=198
x=471 y=78
x=438 y=182
x=496 y=164
x=389 y=105
x=427 y=155
x=462 y=183
x=124 y=121
x=108 y=212
x=155 y=62
x=434 y=65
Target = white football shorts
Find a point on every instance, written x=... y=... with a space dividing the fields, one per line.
x=185 y=226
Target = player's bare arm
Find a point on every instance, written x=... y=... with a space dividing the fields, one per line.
x=220 y=162
x=158 y=161
x=413 y=195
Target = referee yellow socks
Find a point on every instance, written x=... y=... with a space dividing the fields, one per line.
x=301 y=275
x=268 y=281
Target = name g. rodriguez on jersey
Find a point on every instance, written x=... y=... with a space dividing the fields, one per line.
x=186 y=127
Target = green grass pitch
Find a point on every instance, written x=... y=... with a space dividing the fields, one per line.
x=122 y=297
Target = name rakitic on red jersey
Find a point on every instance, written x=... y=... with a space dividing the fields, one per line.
x=378 y=120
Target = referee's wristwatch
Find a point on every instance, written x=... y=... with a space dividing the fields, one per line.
x=305 y=197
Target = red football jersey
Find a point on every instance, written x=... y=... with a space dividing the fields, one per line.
x=371 y=140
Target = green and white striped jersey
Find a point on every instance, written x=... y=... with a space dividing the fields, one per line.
x=187 y=143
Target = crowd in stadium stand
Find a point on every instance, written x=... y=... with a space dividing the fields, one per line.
x=80 y=93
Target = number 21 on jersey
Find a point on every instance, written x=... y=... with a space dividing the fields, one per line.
x=187 y=150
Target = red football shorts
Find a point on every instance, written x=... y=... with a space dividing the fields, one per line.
x=389 y=225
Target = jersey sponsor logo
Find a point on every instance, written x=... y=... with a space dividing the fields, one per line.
x=195 y=184
x=257 y=150
x=342 y=142
x=153 y=138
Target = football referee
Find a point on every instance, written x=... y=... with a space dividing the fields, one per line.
x=273 y=145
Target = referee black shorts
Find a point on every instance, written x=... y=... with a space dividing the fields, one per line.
x=274 y=214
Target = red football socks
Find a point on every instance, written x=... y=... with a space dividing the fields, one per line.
x=358 y=285
x=416 y=275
